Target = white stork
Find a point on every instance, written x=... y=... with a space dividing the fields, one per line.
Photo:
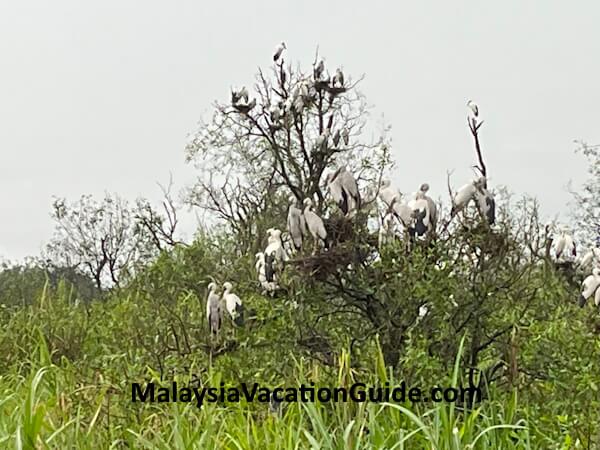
x=420 y=214
x=213 y=309
x=424 y=188
x=296 y=224
x=589 y=287
x=314 y=223
x=344 y=190
x=233 y=304
x=338 y=78
x=278 y=51
x=486 y=204
x=319 y=70
x=387 y=193
x=565 y=245
x=403 y=212
x=464 y=195
x=260 y=266
x=591 y=257
x=473 y=108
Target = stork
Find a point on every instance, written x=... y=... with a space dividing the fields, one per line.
x=213 y=309
x=233 y=304
x=486 y=204
x=338 y=78
x=565 y=245
x=424 y=188
x=473 y=107
x=279 y=51
x=421 y=214
x=314 y=223
x=589 y=287
x=464 y=195
x=387 y=193
x=344 y=189
x=336 y=138
x=592 y=256
x=296 y=224
x=260 y=266
x=319 y=70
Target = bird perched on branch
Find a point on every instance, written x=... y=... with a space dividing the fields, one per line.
x=260 y=266
x=424 y=188
x=566 y=249
x=343 y=189
x=464 y=195
x=387 y=193
x=486 y=204
x=474 y=109
x=213 y=309
x=233 y=304
x=278 y=51
x=314 y=223
x=591 y=257
x=319 y=70
x=338 y=78
x=296 y=224
x=590 y=286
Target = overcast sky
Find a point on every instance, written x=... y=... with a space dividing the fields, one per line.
x=98 y=96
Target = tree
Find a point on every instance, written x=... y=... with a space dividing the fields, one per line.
x=103 y=238
x=587 y=202
x=277 y=141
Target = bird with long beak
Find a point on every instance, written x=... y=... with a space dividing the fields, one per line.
x=213 y=309
x=474 y=109
x=233 y=304
x=314 y=223
x=279 y=51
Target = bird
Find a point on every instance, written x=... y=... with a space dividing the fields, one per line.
x=420 y=213
x=486 y=204
x=473 y=107
x=591 y=256
x=260 y=266
x=278 y=51
x=213 y=309
x=589 y=287
x=275 y=245
x=338 y=78
x=424 y=188
x=403 y=212
x=464 y=195
x=321 y=141
x=296 y=224
x=314 y=223
x=319 y=69
x=243 y=93
x=233 y=304
x=565 y=245
x=344 y=189
x=387 y=193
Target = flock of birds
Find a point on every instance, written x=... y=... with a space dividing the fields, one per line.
x=416 y=216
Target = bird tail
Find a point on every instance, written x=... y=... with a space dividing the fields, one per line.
x=582 y=301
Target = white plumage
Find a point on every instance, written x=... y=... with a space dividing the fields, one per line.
x=388 y=194
x=213 y=309
x=486 y=204
x=463 y=196
x=233 y=304
x=387 y=230
x=314 y=223
x=592 y=257
x=473 y=108
x=566 y=249
x=344 y=190
x=296 y=224
x=430 y=204
x=278 y=51
x=589 y=287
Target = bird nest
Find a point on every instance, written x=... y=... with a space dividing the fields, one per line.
x=323 y=264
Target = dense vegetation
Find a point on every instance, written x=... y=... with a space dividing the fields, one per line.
x=124 y=301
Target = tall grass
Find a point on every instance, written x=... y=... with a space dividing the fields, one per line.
x=50 y=407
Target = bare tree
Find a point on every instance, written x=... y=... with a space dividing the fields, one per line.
x=278 y=140
x=102 y=238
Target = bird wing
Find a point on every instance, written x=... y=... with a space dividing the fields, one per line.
x=336 y=190
x=294 y=226
x=349 y=184
x=464 y=194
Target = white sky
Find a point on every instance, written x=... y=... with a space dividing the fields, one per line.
x=99 y=96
